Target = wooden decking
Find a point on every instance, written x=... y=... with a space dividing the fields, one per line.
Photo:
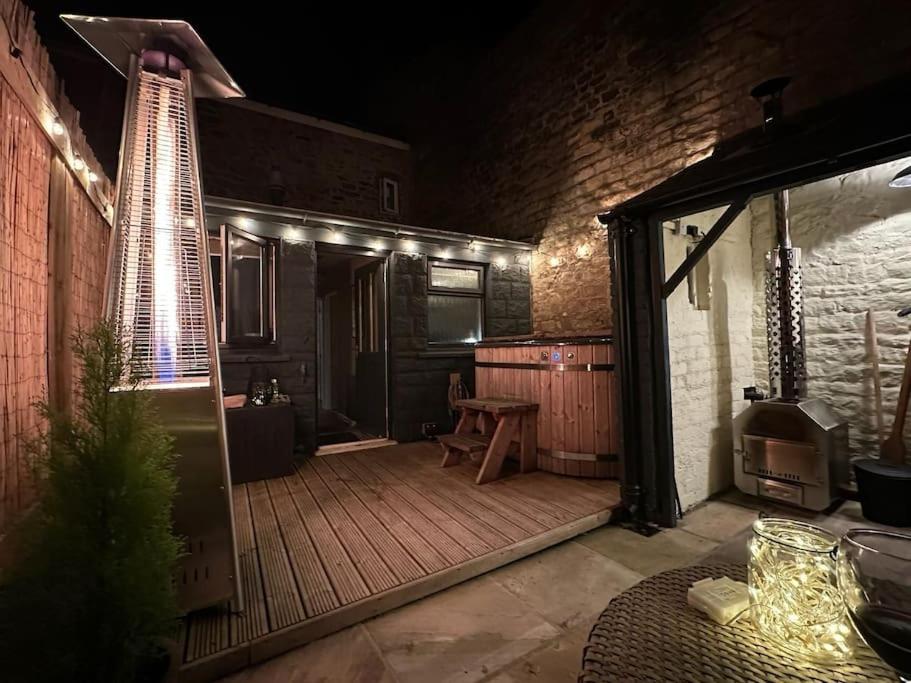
x=352 y=535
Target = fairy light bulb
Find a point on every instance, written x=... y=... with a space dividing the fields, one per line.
x=794 y=599
x=78 y=163
x=57 y=127
x=93 y=177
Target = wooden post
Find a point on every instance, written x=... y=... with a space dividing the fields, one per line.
x=528 y=442
x=502 y=438
x=59 y=273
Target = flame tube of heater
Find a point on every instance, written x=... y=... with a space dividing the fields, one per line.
x=165 y=249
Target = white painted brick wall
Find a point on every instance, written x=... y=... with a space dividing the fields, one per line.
x=855 y=234
x=711 y=358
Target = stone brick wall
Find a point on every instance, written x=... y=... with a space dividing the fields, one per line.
x=420 y=375
x=591 y=102
x=508 y=301
x=322 y=170
x=293 y=359
x=711 y=355
x=853 y=231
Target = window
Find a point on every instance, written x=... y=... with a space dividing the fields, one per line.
x=455 y=301
x=243 y=283
x=389 y=195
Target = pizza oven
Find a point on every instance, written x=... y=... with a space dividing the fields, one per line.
x=788 y=447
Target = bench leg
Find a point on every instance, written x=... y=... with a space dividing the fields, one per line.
x=450 y=457
x=496 y=451
x=486 y=424
x=528 y=443
x=466 y=422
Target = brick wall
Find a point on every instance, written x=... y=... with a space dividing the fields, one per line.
x=322 y=170
x=711 y=356
x=853 y=231
x=591 y=102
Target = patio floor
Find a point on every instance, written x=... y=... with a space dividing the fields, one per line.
x=353 y=535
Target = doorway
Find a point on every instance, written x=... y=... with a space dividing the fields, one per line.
x=351 y=346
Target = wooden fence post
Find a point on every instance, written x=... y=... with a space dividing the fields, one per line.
x=59 y=273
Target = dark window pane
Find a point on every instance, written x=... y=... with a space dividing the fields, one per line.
x=247 y=269
x=454 y=319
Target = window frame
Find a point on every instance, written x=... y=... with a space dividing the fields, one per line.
x=461 y=292
x=395 y=210
x=268 y=289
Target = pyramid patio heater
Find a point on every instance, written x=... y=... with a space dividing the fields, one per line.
x=158 y=286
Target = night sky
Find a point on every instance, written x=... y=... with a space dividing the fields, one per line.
x=370 y=67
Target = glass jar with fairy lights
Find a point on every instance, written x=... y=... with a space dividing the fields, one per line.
x=794 y=596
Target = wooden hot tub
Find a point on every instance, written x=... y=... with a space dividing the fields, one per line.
x=572 y=380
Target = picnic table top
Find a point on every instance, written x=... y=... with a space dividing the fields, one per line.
x=497 y=406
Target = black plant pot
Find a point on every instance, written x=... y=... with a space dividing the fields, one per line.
x=884 y=491
x=153 y=666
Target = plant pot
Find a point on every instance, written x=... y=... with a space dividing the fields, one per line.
x=153 y=666
x=884 y=491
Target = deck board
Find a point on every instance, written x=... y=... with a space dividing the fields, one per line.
x=473 y=517
x=384 y=543
x=434 y=511
x=350 y=535
x=376 y=574
x=313 y=583
x=472 y=499
x=446 y=546
x=283 y=602
x=252 y=622
x=347 y=582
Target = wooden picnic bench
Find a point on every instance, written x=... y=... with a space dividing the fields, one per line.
x=491 y=425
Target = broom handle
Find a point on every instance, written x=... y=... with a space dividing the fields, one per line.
x=898 y=427
x=877 y=382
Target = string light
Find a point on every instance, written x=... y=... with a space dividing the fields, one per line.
x=78 y=163
x=794 y=599
x=57 y=127
x=93 y=177
x=554 y=261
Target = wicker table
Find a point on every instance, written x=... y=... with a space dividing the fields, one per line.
x=649 y=633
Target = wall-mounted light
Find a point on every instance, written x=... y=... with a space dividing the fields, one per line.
x=410 y=246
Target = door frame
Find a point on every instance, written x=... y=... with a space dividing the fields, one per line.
x=384 y=256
